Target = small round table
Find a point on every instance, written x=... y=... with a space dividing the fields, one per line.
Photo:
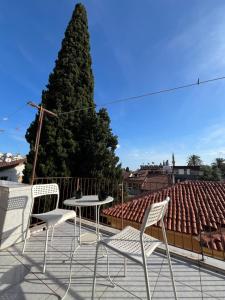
x=88 y=201
x=87 y=238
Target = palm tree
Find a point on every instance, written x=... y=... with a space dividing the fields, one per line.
x=219 y=163
x=194 y=160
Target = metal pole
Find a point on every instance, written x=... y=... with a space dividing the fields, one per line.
x=37 y=141
x=122 y=202
x=40 y=121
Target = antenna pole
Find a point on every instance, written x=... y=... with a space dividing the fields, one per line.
x=42 y=111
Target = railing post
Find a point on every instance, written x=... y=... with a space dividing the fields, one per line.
x=122 y=204
x=199 y=224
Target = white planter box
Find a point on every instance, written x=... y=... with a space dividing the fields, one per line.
x=15 y=205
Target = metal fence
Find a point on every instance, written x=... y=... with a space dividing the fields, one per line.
x=69 y=186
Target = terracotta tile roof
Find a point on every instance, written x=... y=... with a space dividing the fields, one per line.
x=195 y=206
x=214 y=240
x=13 y=163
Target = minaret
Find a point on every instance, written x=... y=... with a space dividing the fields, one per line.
x=173 y=165
x=173 y=160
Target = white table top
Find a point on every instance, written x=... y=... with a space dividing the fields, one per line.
x=89 y=200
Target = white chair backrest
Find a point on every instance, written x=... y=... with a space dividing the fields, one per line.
x=39 y=190
x=154 y=213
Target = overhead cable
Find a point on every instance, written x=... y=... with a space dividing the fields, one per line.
x=168 y=90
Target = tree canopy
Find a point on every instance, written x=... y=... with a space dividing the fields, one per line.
x=194 y=160
x=81 y=142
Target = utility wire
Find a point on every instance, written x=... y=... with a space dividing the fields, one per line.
x=146 y=94
x=128 y=98
x=168 y=90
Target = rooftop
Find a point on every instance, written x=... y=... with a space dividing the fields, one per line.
x=12 y=163
x=195 y=206
x=21 y=277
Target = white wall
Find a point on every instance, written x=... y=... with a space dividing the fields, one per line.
x=13 y=174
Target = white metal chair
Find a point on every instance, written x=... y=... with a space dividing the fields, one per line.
x=136 y=245
x=51 y=218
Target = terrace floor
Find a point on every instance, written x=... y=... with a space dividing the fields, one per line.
x=22 y=278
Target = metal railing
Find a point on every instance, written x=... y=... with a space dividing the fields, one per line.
x=69 y=186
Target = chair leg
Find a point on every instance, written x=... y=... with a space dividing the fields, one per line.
x=95 y=272
x=24 y=245
x=25 y=240
x=171 y=271
x=75 y=224
x=169 y=260
x=46 y=249
x=125 y=266
x=146 y=279
x=53 y=228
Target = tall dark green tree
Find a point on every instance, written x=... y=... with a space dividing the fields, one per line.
x=79 y=143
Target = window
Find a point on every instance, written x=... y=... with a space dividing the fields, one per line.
x=181 y=171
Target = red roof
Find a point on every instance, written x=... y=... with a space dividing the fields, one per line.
x=13 y=163
x=195 y=206
x=214 y=240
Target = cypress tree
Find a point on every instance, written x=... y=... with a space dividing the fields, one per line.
x=79 y=143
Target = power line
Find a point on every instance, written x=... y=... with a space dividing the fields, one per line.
x=146 y=94
x=168 y=90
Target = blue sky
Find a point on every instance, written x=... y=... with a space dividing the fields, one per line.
x=137 y=47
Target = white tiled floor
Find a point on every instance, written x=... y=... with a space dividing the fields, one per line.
x=21 y=276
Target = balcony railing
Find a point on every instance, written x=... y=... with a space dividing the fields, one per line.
x=69 y=186
x=204 y=240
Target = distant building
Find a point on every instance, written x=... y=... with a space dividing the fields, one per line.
x=151 y=177
x=11 y=167
x=155 y=183
x=182 y=173
x=147 y=178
